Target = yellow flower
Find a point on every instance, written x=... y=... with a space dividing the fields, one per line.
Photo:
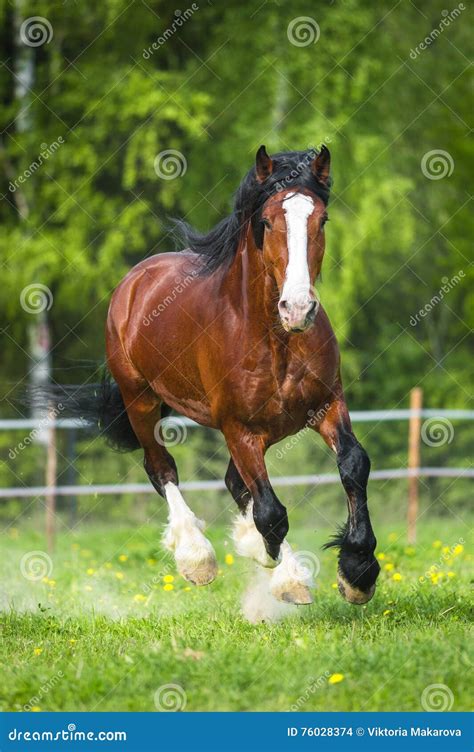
x=229 y=559
x=387 y=612
x=168 y=587
x=388 y=567
x=381 y=557
x=458 y=549
x=108 y=565
x=445 y=550
x=38 y=651
x=334 y=585
x=434 y=579
x=397 y=577
x=139 y=598
x=451 y=574
x=335 y=678
x=72 y=641
x=35 y=709
x=168 y=578
x=90 y=571
x=437 y=544
x=123 y=557
x=187 y=588
x=410 y=551
x=52 y=583
x=392 y=537
x=119 y=575
x=45 y=580
x=88 y=588
x=151 y=562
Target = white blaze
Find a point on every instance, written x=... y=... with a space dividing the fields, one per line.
x=296 y=289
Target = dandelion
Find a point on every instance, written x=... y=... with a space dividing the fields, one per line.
x=35 y=709
x=388 y=567
x=229 y=559
x=108 y=565
x=52 y=583
x=387 y=612
x=38 y=651
x=335 y=678
x=451 y=574
x=410 y=551
x=119 y=575
x=434 y=579
x=458 y=549
x=168 y=587
x=187 y=588
x=88 y=588
x=168 y=578
x=90 y=571
x=334 y=585
x=72 y=641
x=392 y=537
x=151 y=562
x=437 y=544
x=123 y=557
x=139 y=598
x=397 y=577
x=381 y=557
x=445 y=550
x=45 y=580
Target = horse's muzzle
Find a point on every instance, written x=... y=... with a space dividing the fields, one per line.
x=296 y=317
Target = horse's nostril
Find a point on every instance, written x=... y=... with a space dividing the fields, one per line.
x=283 y=305
x=311 y=308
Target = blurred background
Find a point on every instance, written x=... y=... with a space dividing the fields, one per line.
x=117 y=116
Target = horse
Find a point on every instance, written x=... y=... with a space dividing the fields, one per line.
x=230 y=333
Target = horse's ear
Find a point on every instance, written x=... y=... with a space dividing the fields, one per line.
x=321 y=165
x=263 y=165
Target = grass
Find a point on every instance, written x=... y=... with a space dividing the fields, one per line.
x=101 y=632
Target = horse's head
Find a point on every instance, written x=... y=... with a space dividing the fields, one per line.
x=293 y=219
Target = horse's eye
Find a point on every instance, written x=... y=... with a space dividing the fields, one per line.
x=324 y=220
x=267 y=224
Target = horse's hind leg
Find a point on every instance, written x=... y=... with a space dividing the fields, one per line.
x=194 y=554
x=288 y=581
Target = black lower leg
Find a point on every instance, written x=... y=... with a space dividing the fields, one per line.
x=270 y=517
x=357 y=563
x=161 y=471
x=237 y=487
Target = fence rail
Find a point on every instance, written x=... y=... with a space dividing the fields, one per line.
x=357 y=416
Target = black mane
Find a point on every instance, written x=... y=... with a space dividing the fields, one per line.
x=218 y=246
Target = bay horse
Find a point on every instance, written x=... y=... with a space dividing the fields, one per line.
x=230 y=333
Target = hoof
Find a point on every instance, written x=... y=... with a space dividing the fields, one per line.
x=351 y=594
x=199 y=573
x=292 y=592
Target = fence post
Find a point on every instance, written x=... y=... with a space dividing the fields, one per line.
x=414 y=427
x=51 y=479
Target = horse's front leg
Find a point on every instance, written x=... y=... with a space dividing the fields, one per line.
x=358 y=568
x=259 y=533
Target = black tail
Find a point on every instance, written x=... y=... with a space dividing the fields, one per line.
x=100 y=406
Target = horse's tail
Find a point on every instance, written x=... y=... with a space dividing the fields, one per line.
x=100 y=406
